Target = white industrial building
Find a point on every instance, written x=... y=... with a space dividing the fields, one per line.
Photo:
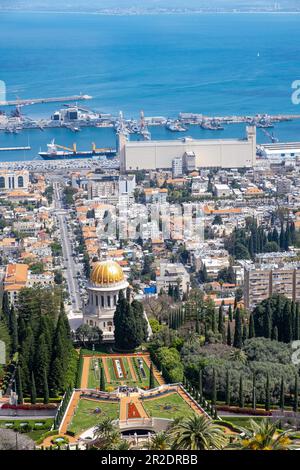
x=212 y=153
x=280 y=151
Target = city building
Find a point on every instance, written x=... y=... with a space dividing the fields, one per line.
x=189 y=162
x=280 y=150
x=213 y=153
x=283 y=186
x=105 y=187
x=18 y=276
x=177 y=167
x=262 y=281
x=172 y=275
x=106 y=281
x=14 y=179
x=222 y=190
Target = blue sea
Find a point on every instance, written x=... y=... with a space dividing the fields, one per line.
x=212 y=64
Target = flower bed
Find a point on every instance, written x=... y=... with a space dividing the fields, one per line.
x=116 y=369
x=37 y=406
x=132 y=411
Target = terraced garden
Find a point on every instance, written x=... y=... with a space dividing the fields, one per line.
x=171 y=406
x=89 y=413
x=131 y=374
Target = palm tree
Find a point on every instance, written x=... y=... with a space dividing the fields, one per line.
x=263 y=435
x=159 y=441
x=238 y=355
x=197 y=433
x=124 y=445
x=107 y=436
x=104 y=428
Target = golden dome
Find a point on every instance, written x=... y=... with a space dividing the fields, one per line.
x=107 y=272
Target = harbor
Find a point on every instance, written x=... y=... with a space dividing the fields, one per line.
x=75 y=118
x=14 y=149
x=26 y=102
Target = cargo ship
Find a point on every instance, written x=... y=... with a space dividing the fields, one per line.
x=53 y=152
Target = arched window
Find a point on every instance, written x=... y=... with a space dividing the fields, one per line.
x=102 y=301
x=2 y=182
x=20 y=182
x=115 y=300
x=108 y=301
x=96 y=300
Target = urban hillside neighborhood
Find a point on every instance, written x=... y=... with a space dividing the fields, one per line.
x=157 y=300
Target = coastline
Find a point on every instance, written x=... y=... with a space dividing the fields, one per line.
x=152 y=13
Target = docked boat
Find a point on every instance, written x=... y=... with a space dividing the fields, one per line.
x=53 y=152
x=175 y=126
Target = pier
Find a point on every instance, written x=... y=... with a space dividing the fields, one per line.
x=12 y=149
x=56 y=99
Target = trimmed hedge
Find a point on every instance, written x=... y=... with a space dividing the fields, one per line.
x=228 y=424
x=47 y=434
x=245 y=411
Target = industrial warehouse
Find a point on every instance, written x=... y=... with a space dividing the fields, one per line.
x=212 y=153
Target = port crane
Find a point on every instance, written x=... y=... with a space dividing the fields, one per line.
x=273 y=139
x=101 y=150
x=74 y=149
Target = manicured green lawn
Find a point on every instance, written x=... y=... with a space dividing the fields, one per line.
x=36 y=431
x=94 y=374
x=85 y=416
x=171 y=407
x=94 y=379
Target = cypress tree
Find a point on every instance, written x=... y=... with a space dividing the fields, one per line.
x=296 y=392
x=46 y=389
x=238 y=341
x=213 y=321
x=41 y=363
x=287 y=237
x=275 y=333
x=267 y=321
x=254 y=391
x=241 y=392
x=228 y=334
x=126 y=333
x=281 y=401
x=33 y=389
x=251 y=333
x=268 y=398
x=221 y=322
x=19 y=386
x=201 y=384
x=197 y=325
x=287 y=323
x=102 y=379
x=13 y=329
x=151 y=378
x=6 y=307
x=230 y=313
x=282 y=238
x=214 y=389
x=275 y=236
x=245 y=333
x=227 y=398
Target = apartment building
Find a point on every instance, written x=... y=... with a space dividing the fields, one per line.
x=172 y=275
x=262 y=281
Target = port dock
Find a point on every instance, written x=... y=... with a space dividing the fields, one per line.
x=12 y=149
x=56 y=99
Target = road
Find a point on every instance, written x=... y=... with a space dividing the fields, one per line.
x=71 y=266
